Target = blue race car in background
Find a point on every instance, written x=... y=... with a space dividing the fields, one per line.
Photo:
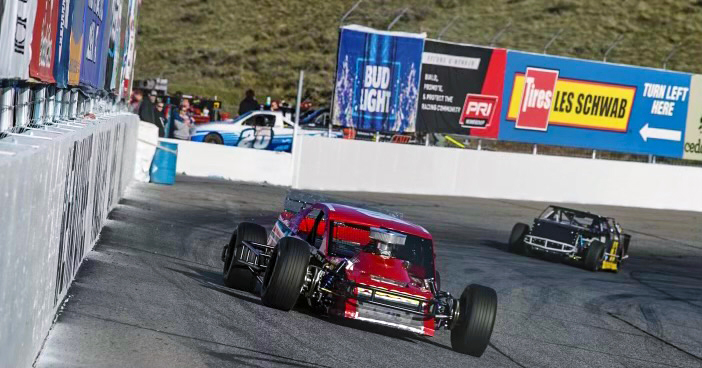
x=268 y=130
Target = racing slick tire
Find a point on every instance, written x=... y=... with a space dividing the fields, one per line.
x=594 y=256
x=213 y=138
x=476 y=318
x=235 y=275
x=285 y=274
x=516 y=239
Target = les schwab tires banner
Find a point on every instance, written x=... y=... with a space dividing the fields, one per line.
x=568 y=102
x=377 y=80
x=41 y=66
x=461 y=89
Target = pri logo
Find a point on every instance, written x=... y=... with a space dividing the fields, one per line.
x=478 y=111
x=537 y=98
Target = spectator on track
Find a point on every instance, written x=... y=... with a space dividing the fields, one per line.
x=249 y=103
x=184 y=126
x=148 y=113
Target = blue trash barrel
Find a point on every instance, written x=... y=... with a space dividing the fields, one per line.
x=163 y=166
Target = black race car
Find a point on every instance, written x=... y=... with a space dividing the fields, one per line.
x=596 y=241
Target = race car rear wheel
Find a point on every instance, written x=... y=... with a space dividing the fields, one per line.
x=213 y=138
x=594 y=256
x=285 y=273
x=235 y=275
x=476 y=318
x=516 y=239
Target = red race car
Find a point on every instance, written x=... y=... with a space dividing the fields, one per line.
x=358 y=264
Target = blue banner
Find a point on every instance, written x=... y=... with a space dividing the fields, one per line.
x=94 y=19
x=377 y=80
x=586 y=104
x=63 y=42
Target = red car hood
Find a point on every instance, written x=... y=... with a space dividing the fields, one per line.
x=384 y=272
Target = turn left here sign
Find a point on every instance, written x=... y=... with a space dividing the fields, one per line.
x=569 y=102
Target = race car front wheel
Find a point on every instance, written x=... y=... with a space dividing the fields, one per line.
x=594 y=256
x=235 y=275
x=285 y=273
x=476 y=318
x=516 y=239
x=213 y=138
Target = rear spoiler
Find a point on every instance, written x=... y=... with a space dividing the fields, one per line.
x=296 y=201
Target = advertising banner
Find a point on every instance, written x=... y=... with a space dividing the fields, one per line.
x=377 y=79
x=105 y=42
x=693 y=132
x=44 y=40
x=568 y=102
x=113 y=46
x=63 y=42
x=93 y=34
x=76 y=54
x=461 y=89
x=129 y=51
x=16 y=32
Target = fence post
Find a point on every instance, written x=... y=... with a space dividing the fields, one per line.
x=500 y=33
x=343 y=18
x=670 y=55
x=6 y=106
x=23 y=106
x=73 y=108
x=397 y=18
x=534 y=150
x=612 y=46
x=446 y=28
x=553 y=39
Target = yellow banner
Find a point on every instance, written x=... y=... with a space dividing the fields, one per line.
x=583 y=104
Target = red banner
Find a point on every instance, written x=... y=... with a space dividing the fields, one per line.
x=41 y=65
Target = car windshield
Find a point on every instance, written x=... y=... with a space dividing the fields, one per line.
x=349 y=239
x=242 y=116
x=568 y=217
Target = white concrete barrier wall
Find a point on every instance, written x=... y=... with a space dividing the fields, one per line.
x=55 y=194
x=233 y=163
x=348 y=165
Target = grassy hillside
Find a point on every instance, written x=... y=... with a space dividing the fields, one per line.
x=222 y=47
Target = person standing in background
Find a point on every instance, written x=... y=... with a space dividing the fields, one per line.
x=183 y=125
x=249 y=103
x=147 y=112
x=160 y=115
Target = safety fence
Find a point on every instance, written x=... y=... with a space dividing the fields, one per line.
x=58 y=183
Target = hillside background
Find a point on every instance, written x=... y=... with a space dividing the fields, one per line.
x=222 y=47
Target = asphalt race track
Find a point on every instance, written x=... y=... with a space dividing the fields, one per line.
x=151 y=293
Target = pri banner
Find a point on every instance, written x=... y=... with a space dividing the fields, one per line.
x=113 y=46
x=693 y=132
x=63 y=42
x=377 y=80
x=93 y=34
x=461 y=90
x=16 y=30
x=76 y=54
x=44 y=40
x=105 y=42
x=586 y=104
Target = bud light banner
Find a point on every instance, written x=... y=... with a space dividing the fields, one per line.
x=44 y=40
x=461 y=89
x=16 y=30
x=586 y=104
x=377 y=80
x=63 y=42
x=93 y=35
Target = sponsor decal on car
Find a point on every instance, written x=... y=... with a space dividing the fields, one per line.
x=540 y=97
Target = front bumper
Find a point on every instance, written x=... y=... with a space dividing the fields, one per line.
x=550 y=246
x=388 y=308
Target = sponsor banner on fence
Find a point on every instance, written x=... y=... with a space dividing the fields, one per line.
x=693 y=132
x=16 y=31
x=63 y=42
x=113 y=46
x=107 y=24
x=76 y=44
x=94 y=20
x=44 y=40
x=586 y=104
x=461 y=89
x=377 y=80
